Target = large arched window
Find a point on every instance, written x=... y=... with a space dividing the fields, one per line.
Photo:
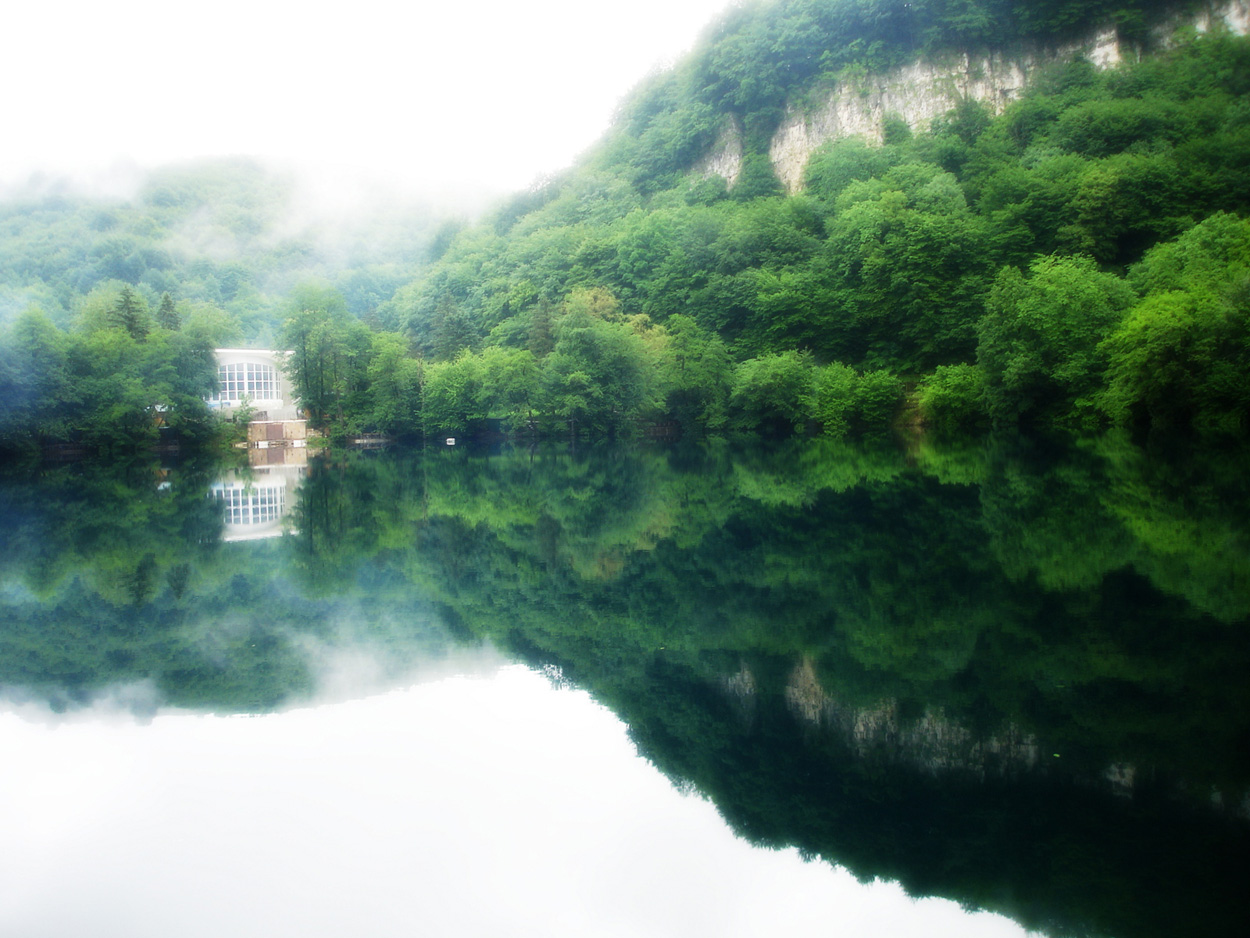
x=256 y=381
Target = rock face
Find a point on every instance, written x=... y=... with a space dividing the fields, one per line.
x=725 y=157
x=921 y=91
x=916 y=93
x=932 y=743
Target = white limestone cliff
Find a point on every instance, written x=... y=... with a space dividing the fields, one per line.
x=921 y=91
x=724 y=159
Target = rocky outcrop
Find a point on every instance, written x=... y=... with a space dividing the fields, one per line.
x=921 y=91
x=931 y=743
x=934 y=744
x=724 y=159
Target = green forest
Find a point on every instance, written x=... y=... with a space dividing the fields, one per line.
x=1080 y=259
x=110 y=307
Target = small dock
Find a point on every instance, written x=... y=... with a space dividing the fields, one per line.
x=277 y=442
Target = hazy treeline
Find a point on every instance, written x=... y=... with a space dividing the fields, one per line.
x=123 y=377
x=586 y=368
x=228 y=236
x=1063 y=344
x=110 y=307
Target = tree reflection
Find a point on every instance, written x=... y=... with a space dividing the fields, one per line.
x=1011 y=673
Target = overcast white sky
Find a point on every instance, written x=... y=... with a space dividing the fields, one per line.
x=443 y=96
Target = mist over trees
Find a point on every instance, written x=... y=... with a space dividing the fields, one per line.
x=1078 y=260
x=110 y=307
x=228 y=235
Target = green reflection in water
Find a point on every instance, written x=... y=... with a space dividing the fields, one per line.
x=1010 y=673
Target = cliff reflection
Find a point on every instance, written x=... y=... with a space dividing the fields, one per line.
x=1011 y=673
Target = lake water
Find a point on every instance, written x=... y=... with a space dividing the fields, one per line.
x=723 y=689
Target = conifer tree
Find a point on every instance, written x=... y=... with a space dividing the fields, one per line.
x=167 y=314
x=131 y=314
x=541 y=339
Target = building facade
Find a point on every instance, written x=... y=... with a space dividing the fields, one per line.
x=254 y=376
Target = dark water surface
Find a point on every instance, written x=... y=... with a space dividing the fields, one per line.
x=630 y=690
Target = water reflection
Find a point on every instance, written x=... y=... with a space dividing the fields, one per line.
x=486 y=806
x=258 y=503
x=1011 y=674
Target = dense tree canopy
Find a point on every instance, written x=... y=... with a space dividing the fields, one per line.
x=1069 y=260
x=1001 y=246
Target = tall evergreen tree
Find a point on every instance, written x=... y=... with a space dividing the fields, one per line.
x=167 y=316
x=131 y=314
x=541 y=339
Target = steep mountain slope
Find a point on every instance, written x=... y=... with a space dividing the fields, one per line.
x=1008 y=215
x=887 y=188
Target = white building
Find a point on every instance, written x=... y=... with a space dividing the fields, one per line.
x=254 y=374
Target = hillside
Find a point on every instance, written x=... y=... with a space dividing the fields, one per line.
x=985 y=169
x=111 y=304
x=1005 y=216
x=227 y=239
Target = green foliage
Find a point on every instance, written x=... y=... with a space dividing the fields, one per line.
x=1179 y=358
x=953 y=398
x=877 y=399
x=497 y=383
x=1210 y=254
x=454 y=332
x=908 y=266
x=167 y=316
x=698 y=374
x=541 y=340
x=846 y=400
x=707 y=191
x=836 y=386
x=756 y=180
x=894 y=130
x=836 y=165
x=37 y=397
x=104 y=388
x=328 y=360
x=598 y=377
x=395 y=380
x=773 y=393
x=453 y=394
x=1040 y=341
x=131 y=315
x=887 y=260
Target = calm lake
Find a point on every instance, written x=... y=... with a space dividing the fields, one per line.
x=629 y=690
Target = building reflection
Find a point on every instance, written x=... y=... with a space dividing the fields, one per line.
x=257 y=503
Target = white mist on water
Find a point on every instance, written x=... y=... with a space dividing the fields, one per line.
x=487 y=805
